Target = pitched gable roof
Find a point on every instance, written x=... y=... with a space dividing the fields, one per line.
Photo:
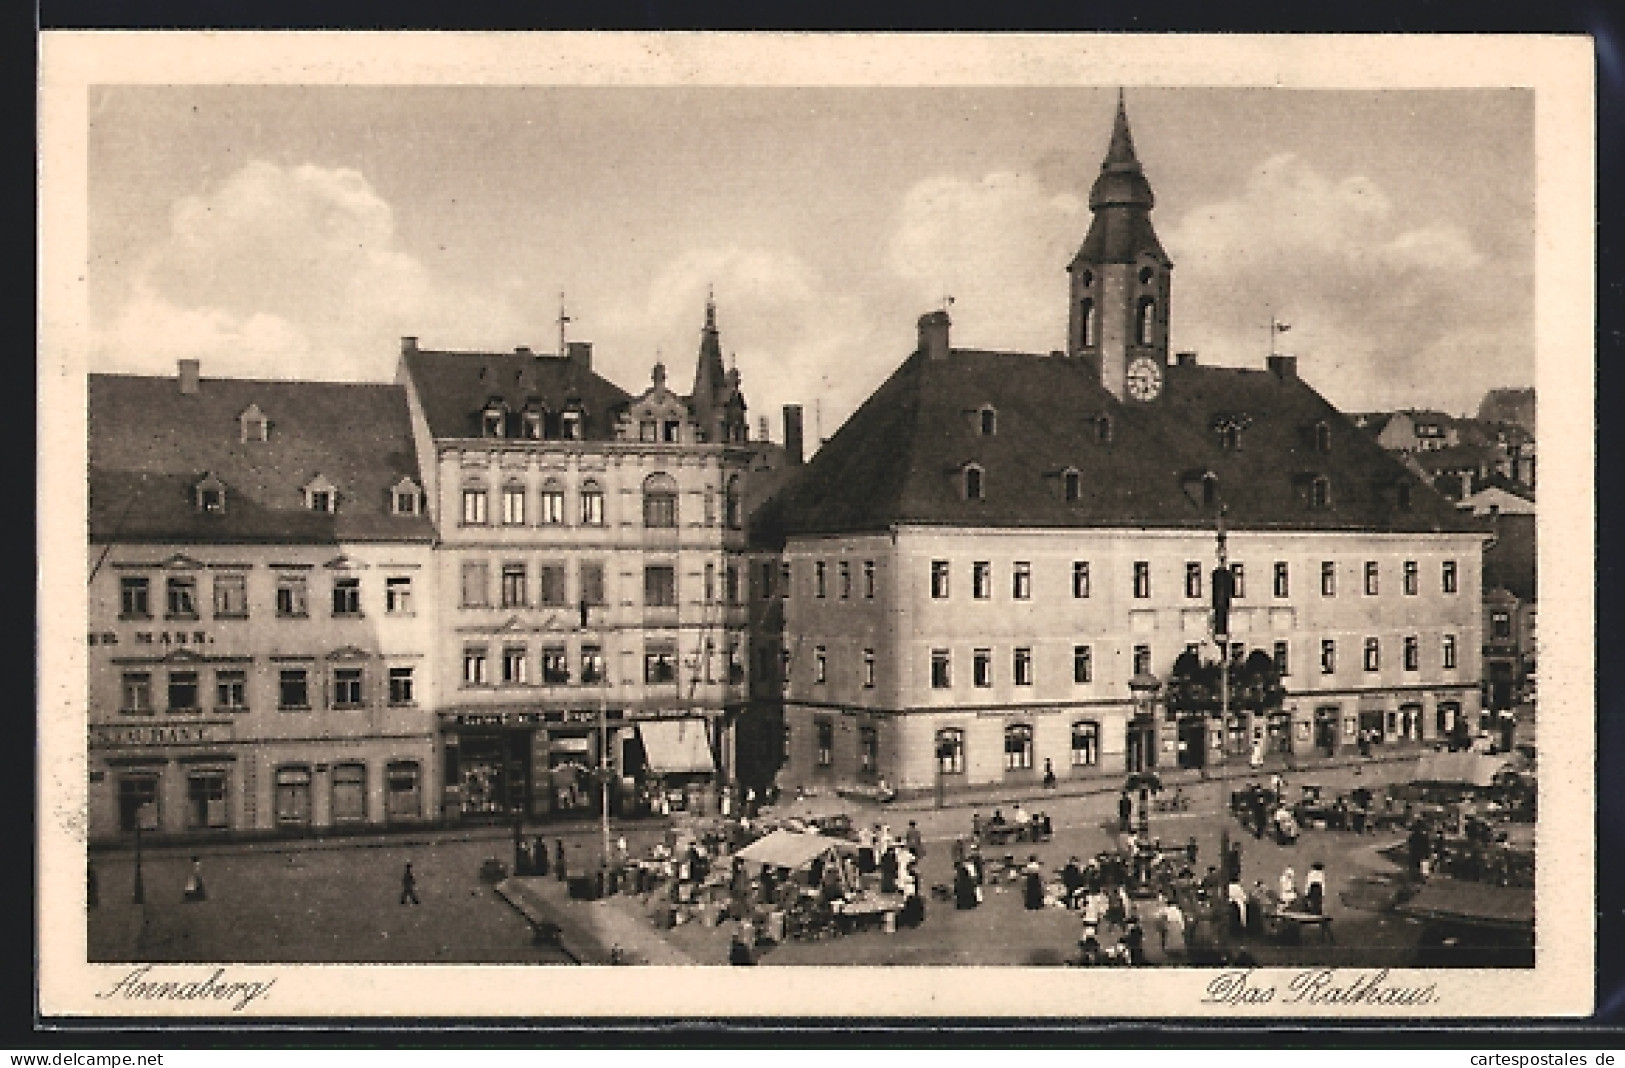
x=150 y=445
x=454 y=388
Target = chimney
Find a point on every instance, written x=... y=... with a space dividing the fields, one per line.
x=934 y=335
x=1185 y=359
x=522 y=350
x=1283 y=367
x=408 y=344
x=579 y=353
x=188 y=375
x=792 y=432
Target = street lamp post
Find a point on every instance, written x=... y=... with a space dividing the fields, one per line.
x=139 y=895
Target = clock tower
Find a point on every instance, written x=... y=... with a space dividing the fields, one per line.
x=1120 y=278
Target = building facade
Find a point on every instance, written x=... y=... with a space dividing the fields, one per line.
x=591 y=563
x=259 y=608
x=990 y=571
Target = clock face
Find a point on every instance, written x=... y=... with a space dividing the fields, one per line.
x=1144 y=379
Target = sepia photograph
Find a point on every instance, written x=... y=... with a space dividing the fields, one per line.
x=944 y=521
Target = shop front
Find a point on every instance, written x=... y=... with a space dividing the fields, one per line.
x=172 y=779
x=674 y=762
x=536 y=764
x=1326 y=729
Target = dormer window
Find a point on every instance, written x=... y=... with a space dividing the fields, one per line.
x=533 y=423
x=210 y=495
x=493 y=420
x=670 y=431
x=973 y=476
x=1072 y=484
x=570 y=426
x=988 y=420
x=321 y=495
x=1229 y=428
x=252 y=424
x=406 y=498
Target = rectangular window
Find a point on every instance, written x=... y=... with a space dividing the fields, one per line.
x=820 y=665
x=659 y=663
x=1447 y=576
x=231 y=596
x=1083 y=664
x=206 y=800
x=1449 y=650
x=513 y=506
x=137 y=802
x=942 y=676
x=939 y=579
x=555 y=665
x=1018 y=747
x=398 y=595
x=1238 y=585
x=231 y=690
x=1328 y=656
x=1373 y=654
x=1080 y=578
x=846 y=579
x=951 y=751
x=293 y=688
x=1142 y=660
x=550 y=579
x=1328 y=578
x=981 y=580
x=869 y=579
x=592 y=507
x=1413 y=654
x=1085 y=744
x=474 y=507
x=1281 y=587
x=137 y=694
x=1412 y=580
x=660 y=508
x=183 y=691
x=290 y=596
x=474 y=673
x=1021 y=581
x=730 y=584
x=400 y=686
x=592 y=582
x=764 y=582
x=784 y=579
x=182 y=597
x=1193 y=579
x=134 y=601
x=476 y=584
x=551 y=507
x=826 y=742
x=592 y=665
x=1371 y=578
x=868 y=669
x=349 y=793
x=293 y=796
x=514 y=592
x=868 y=749
x=709 y=592
x=819 y=577
x=1282 y=664
x=402 y=800
x=1500 y=625
x=981 y=667
x=1021 y=666
x=515 y=665
x=347 y=597
x=1142 y=578
x=660 y=586
x=347 y=687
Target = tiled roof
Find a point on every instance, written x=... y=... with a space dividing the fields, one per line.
x=455 y=387
x=151 y=445
x=900 y=458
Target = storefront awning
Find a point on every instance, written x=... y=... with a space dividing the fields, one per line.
x=1465 y=768
x=788 y=849
x=676 y=746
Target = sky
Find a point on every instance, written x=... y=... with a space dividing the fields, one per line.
x=289 y=231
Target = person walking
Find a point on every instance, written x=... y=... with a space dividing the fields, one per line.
x=1049 y=774
x=409 y=886
x=194 y=883
x=1034 y=873
x=914 y=839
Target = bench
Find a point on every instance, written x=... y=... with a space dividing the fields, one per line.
x=1291 y=920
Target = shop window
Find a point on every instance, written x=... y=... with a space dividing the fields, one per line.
x=941 y=669
x=1142 y=660
x=1447 y=576
x=1142 y=579
x=820 y=665
x=981 y=667
x=401 y=686
x=291 y=596
x=138 y=802
x=183 y=692
x=826 y=742
x=939 y=579
x=474 y=673
x=1021 y=667
x=1413 y=655
x=293 y=689
x=1328 y=656
x=231 y=690
x=476 y=584
x=981 y=580
x=1085 y=744
x=1449 y=651
x=514 y=665
x=1281 y=660
x=660 y=586
x=1373 y=654
x=592 y=665
x=398 y=595
x=659 y=501
x=592 y=505
x=134 y=599
x=349 y=793
x=206 y=800
x=136 y=697
x=1021 y=581
x=1083 y=664
x=181 y=597
x=347 y=597
x=293 y=796
x=1371 y=575
x=1411 y=579
x=1193 y=579
x=868 y=669
x=659 y=663
x=231 y=596
x=347 y=687
x=1018 y=747
x=1281 y=587
x=1328 y=578
x=550 y=505
x=1080 y=578
x=402 y=794
x=513 y=506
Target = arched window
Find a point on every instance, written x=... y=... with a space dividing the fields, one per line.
x=592 y=504
x=551 y=503
x=659 y=501
x=1018 y=747
x=1072 y=483
x=1145 y=321
x=1086 y=322
x=1085 y=743
x=974 y=490
x=732 y=506
x=951 y=751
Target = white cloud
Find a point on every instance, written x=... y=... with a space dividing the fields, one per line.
x=288 y=272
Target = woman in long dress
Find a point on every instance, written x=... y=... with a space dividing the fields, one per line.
x=1035 y=884
x=1288 y=894
x=965 y=886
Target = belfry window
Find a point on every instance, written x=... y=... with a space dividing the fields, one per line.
x=1145 y=320
x=1086 y=322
